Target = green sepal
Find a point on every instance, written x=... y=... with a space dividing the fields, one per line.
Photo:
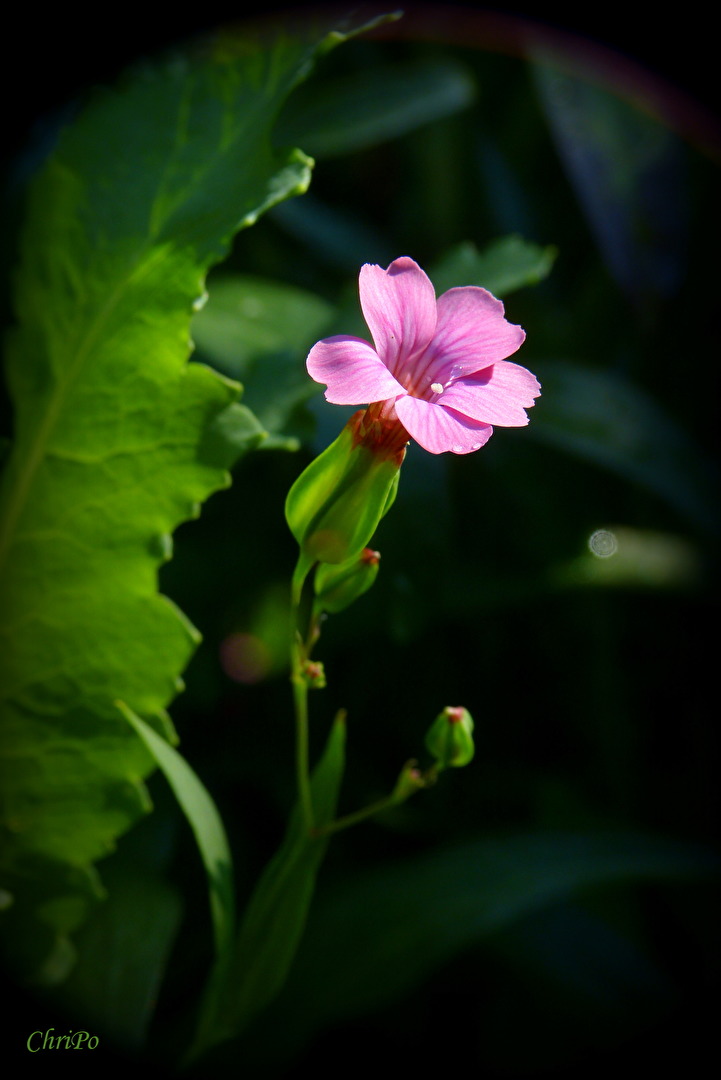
x=338 y=585
x=335 y=505
x=392 y=492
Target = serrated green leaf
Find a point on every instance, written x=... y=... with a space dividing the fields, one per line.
x=117 y=438
x=502 y=267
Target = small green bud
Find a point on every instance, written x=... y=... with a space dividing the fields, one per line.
x=450 y=739
x=409 y=782
x=313 y=673
x=338 y=585
x=335 y=505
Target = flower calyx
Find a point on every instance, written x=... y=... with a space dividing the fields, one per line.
x=336 y=504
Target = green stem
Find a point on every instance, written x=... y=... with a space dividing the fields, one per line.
x=300 y=698
x=300 y=693
x=403 y=790
x=347 y=820
x=302 y=569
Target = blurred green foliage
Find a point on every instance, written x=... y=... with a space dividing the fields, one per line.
x=549 y=910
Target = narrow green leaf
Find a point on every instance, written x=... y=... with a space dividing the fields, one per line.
x=354 y=112
x=625 y=165
x=204 y=820
x=276 y=914
x=339 y=238
x=371 y=940
x=602 y=417
x=502 y=267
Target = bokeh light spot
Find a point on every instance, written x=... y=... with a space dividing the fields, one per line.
x=603 y=543
x=245 y=658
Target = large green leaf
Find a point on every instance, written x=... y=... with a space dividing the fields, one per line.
x=117 y=440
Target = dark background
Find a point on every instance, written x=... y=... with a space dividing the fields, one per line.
x=593 y=704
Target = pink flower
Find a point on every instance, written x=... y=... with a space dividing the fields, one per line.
x=438 y=369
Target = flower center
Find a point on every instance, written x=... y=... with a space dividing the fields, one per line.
x=416 y=374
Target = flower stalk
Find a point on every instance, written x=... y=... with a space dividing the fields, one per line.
x=437 y=372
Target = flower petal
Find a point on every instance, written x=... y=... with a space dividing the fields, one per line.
x=399 y=306
x=352 y=371
x=499 y=394
x=440 y=430
x=471 y=334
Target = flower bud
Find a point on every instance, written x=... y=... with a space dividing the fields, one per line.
x=409 y=782
x=313 y=674
x=338 y=585
x=335 y=505
x=449 y=738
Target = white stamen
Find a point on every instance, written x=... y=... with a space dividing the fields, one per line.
x=437 y=387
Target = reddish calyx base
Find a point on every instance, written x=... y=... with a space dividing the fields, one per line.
x=379 y=430
x=454 y=713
